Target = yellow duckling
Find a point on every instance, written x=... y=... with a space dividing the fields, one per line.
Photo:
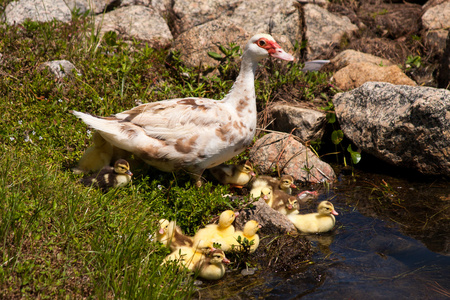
x=212 y=267
x=321 y=221
x=236 y=175
x=109 y=177
x=162 y=235
x=191 y=257
x=285 y=183
x=285 y=203
x=250 y=233
x=217 y=232
x=95 y=157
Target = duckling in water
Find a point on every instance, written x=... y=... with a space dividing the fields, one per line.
x=236 y=175
x=285 y=183
x=109 y=177
x=250 y=233
x=212 y=267
x=321 y=221
x=217 y=232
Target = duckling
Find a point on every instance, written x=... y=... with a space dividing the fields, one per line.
x=285 y=203
x=267 y=195
x=109 y=177
x=212 y=267
x=236 y=175
x=285 y=183
x=162 y=233
x=321 y=221
x=249 y=232
x=96 y=156
x=217 y=232
x=191 y=257
x=176 y=237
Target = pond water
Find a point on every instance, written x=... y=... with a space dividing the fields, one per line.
x=391 y=241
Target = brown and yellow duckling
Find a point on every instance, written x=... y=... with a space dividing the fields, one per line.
x=110 y=177
x=235 y=175
x=285 y=183
x=191 y=257
x=212 y=267
x=285 y=203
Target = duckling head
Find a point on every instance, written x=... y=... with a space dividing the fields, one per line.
x=292 y=203
x=218 y=257
x=227 y=218
x=326 y=208
x=204 y=247
x=286 y=182
x=163 y=226
x=266 y=194
x=121 y=166
x=251 y=227
x=246 y=167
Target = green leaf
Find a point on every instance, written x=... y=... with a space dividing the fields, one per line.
x=215 y=55
x=337 y=136
x=331 y=117
x=356 y=156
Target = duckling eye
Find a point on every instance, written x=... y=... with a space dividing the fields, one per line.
x=261 y=43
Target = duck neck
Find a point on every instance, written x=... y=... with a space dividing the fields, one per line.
x=242 y=94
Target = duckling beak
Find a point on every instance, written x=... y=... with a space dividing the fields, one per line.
x=129 y=173
x=226 y=260
x=289 y=206
x=161 y=231
x=236 y=214
x=293 y=186
x=252 y=174
x=334 y=212
x=259 y=226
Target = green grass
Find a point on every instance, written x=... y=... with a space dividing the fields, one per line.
x=59 y=239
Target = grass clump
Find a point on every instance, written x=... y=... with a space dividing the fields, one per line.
x=59 y=239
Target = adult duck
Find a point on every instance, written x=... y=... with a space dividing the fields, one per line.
x=193 y=134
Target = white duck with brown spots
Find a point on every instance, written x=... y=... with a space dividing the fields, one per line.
x=193 y=134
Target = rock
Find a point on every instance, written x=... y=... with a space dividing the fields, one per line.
x=280 y=18
x=60 y=68
x=324 y=30
x=443 y=77
x=41 y=11
x=195 y=43
x=436 y=22
x=284 y=152
x=194 y=13
x=348 y=57
x=307 y=124
x=354 y=75
x=403 y=125
x=137 y=21
x=271 y=221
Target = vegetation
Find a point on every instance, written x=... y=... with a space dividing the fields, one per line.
x=60 y=239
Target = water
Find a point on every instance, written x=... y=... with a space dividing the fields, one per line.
x=390 y=242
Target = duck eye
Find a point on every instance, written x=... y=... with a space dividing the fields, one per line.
x=261 y=43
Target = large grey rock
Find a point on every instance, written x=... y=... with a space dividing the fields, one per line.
x=307 y=124
x=402 y=125
x=324 y=30
x=137 y=21
x=37 y=10
x=282 y=152
x=354 y=75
